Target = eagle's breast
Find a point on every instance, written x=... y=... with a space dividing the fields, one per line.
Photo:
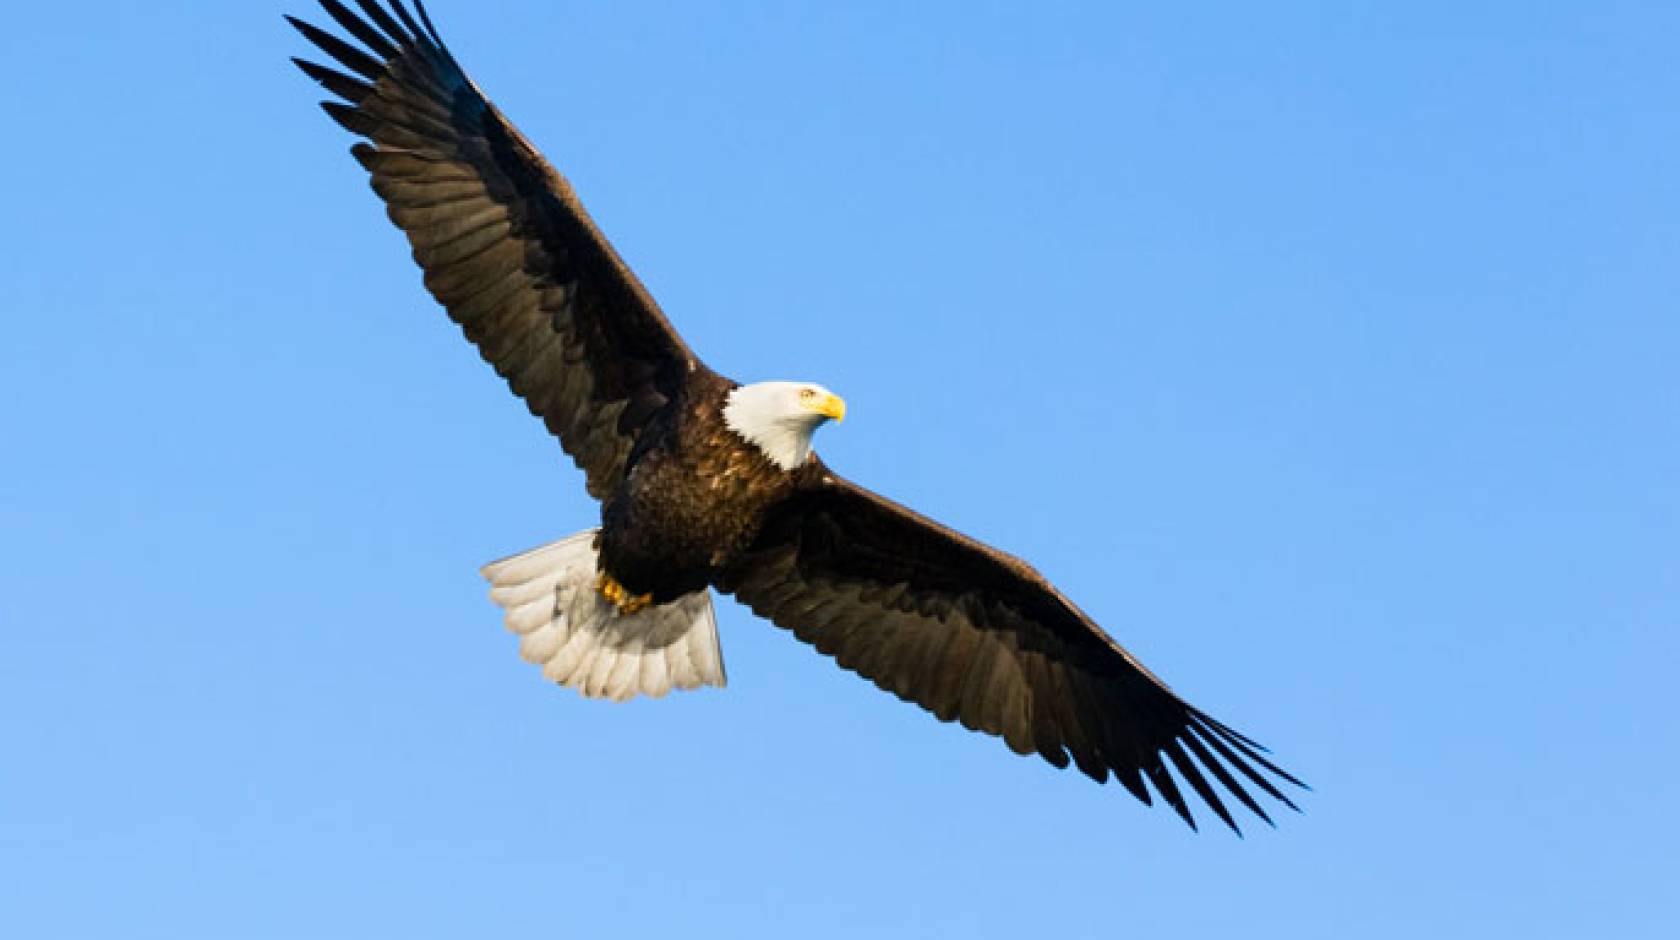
x=690 y=503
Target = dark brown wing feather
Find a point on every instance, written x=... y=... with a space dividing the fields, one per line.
x=504 y=243
x=974 y=635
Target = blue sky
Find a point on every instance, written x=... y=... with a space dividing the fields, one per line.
x=1325 y=353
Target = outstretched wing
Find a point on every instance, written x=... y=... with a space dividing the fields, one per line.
x=503 y=241
x=974 y=635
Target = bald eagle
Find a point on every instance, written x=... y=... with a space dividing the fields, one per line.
x=706 y=483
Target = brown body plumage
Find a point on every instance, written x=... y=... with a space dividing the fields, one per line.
x=970 y=633
x=694 y=498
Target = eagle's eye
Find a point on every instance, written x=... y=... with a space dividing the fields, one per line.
x=806 y=394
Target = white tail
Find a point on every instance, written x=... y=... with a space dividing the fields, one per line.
x=581 y=640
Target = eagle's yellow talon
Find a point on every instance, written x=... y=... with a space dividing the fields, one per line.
x=620 y=598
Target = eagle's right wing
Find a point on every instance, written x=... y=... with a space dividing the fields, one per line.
x=975 y=635
x=504 y=243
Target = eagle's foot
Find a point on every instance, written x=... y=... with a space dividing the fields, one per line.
x=620 y=598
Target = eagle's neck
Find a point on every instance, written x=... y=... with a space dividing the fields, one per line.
x=760 y=417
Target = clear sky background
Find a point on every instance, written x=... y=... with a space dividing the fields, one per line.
x=1324 y=352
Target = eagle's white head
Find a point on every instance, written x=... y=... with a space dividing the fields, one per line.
x=780 y=417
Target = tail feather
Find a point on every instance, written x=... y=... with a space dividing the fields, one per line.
x=581 y=640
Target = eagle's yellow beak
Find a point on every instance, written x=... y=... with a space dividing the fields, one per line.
x=833 y=407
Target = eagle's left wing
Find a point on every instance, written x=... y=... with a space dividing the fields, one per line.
x=505 y=244
x=975 y=635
